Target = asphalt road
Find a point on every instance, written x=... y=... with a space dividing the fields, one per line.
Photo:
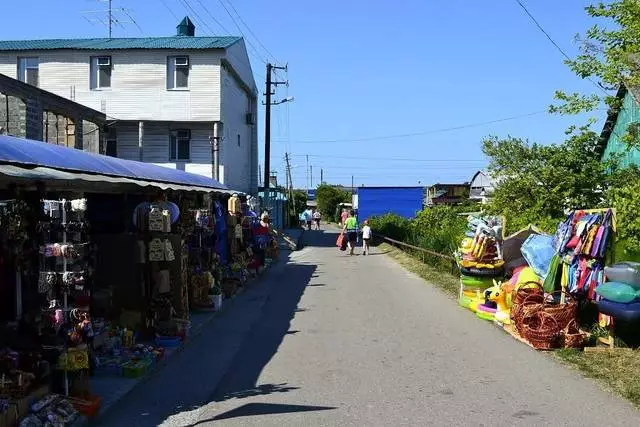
x=332 y=340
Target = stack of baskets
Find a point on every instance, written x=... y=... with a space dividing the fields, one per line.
x=545 y=323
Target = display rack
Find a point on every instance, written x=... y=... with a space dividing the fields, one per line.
x=63 y=273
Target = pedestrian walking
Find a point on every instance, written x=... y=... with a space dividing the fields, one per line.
x=351 y=228
x=366 y=237
x=343 y=217
x=308 y=217
x=316 y=219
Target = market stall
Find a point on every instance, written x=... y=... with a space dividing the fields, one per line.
x=550 y=281
x=97 y=259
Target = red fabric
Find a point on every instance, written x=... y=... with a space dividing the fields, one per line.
x=340 y=241
x=261 y=230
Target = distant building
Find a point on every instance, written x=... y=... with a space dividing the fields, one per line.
x=481 y=187
x=447 y=194
x=169 y=97
x=377 y=201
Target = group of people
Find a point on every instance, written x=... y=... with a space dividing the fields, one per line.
x=311 y=218
x=350 y=227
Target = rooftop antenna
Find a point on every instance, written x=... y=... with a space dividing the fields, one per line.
x=110 y=16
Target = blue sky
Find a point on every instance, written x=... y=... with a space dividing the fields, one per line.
x=362 y=69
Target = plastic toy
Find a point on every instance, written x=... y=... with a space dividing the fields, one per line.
x=620 y=311
x=485 y=313
x=476 y=282
x=498 y=295
x=618 y=292
x=624 y=272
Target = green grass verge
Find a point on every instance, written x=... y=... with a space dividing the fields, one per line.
x=617 y=371
x=449 y=283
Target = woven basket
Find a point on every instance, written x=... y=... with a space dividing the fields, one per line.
x=562 y=313
x=541 y=330
x=520 y=294
x=530 y=304
x=573 y=337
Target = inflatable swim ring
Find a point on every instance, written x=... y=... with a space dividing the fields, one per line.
x=628 y=312
x=477 y=282
x=475 y=272
x=486 y=313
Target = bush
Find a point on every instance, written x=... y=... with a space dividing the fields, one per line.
x=329 y=198
x=438 y=229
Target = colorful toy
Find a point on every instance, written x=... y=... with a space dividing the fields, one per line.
x=618 y=292
x=486 y=313
x=497 y=294
x=626 y=312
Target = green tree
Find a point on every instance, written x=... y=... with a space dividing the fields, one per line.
x=609 y=57
x=538 y=183
x=329 y=197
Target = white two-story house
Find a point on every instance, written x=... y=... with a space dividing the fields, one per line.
x=167 y=98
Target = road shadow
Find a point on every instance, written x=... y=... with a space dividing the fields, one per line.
x=253 y=409
x=225 y=361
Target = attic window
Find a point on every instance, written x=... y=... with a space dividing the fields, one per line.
x=100 y=72
x=177 y=72
x=28 y=70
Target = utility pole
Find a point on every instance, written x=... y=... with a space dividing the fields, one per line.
x=311 y=175
x=267 y=128
x=321 y=176
x=352 y=188
x=292 y=196
x=307 y=174
x=215 y=150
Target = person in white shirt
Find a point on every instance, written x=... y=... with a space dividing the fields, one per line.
x=316 y=219
x=366 y=237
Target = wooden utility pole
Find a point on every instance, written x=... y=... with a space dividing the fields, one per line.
x=267 y=129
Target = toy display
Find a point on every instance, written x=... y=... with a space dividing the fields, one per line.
x=480 y=252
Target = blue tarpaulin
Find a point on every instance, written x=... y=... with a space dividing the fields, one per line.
x=35 y=153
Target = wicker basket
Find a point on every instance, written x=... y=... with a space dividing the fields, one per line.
x=522 y=293
x=573 y=337
x=562 y=313
x=541 y=330
x=531 y=303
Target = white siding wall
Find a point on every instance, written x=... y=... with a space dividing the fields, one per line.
x=237 y=158
x=138 y=85
x=155 y=147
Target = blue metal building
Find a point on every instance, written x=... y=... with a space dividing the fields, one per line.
x=378 y=201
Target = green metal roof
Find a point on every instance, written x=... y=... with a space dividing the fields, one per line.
x=175 y=42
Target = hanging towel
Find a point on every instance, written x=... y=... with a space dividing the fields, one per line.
x=555 y=267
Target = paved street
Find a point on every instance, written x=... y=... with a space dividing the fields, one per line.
x=329 y=340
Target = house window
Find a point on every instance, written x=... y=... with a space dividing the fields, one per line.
x=180 y=145
x=112 y=148
x=28 y=70
x=177 y=72
x=101 y=67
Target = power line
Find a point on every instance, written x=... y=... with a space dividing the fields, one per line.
x=535 y=21
x=190 y=8
x=323 y=156
x=164 y=2
x=206 y=9
x=428 y=132
x=251 y=32
x=251 y=45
